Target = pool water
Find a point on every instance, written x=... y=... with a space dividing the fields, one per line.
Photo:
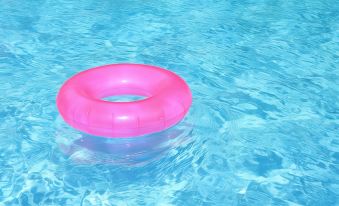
x=263 y=128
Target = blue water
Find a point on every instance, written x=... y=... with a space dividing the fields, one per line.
x=263 y=128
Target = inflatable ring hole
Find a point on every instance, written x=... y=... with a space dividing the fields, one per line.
x=124 y=98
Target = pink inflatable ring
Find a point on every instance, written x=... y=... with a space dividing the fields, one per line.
x=80 y=100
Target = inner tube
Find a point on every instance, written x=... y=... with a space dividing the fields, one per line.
x=80 y=100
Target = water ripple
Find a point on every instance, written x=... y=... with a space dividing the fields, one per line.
x=262 y=130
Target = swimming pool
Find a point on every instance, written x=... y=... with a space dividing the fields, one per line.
x=262 y=130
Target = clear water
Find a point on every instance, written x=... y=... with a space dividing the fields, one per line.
x=124 y=98
x=263 y=128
